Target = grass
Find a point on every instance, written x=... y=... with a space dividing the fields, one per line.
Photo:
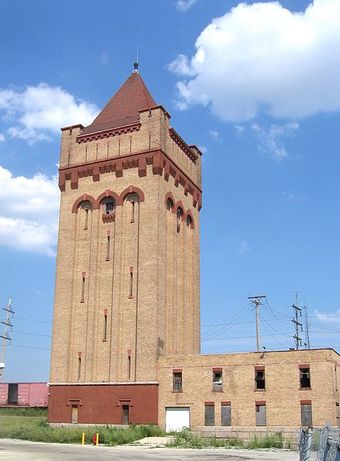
x=18 y=411
x=36 y=429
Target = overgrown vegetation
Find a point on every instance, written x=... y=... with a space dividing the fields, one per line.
x=20 y=411
x=187 y=439
x=37 y=429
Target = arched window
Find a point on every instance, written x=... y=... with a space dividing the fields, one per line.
x=132 y=199
x=189 y=221
x=85 y=206
x=108 y=205
x=169 y=204
x=179 y=215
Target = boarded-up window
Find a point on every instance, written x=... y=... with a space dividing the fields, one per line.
x=177 y=381
x=304 y=377
x=260 y=415
x=225 y=414
x=217 y=380
x=260 y=379
x=209 y=414
x=306 y=414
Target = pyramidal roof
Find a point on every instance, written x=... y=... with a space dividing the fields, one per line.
x=123 y=108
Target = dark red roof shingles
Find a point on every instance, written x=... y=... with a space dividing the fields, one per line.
x=123 y=108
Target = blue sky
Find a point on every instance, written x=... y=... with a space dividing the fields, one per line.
x=255 y=85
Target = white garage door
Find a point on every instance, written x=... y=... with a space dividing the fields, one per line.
x=176 y=418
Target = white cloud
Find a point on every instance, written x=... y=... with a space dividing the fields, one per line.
x=104 y=58
x=2 y=137
x=271 y=140
x=262 y=58
x=244 y=248
x=40 y=111
x=184 y=5
x=239 y=129
x=333 y=317
x=214 y=134
x=28 y=212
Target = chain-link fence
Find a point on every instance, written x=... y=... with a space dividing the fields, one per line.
x=319 y=444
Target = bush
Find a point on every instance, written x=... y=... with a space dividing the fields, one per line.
x=187 y=439
x=269 y=441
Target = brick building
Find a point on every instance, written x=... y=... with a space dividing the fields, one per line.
x=126 y=329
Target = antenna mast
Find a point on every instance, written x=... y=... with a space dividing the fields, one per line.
x=257 y=302
x=297 y=324
x=5 y=334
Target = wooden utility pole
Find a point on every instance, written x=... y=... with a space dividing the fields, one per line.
x=257 y=302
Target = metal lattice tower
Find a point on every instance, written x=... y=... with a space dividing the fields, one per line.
x=5 y=337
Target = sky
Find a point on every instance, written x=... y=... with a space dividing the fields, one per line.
x=256 y=85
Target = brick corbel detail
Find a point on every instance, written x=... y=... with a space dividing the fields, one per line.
x=157 y=158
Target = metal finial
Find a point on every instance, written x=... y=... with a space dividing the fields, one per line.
x=135 y=65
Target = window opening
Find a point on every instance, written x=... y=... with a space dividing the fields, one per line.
x=82 y=296
x=261 y=418
x=209 y=414
x=179 y=217
x=74 y=414
x=169 y=204
x=108 y=244
x=260 y=379
x=79 y=367
x=126 y=415
x=131 y=283
x=133 y=199
x=108 y=206
x=177 y=381
x=305 y=378
x=189 y=221
x=105 y=325
x=306 y=414
x=217 y=381
x=225 y=414
x=86 y=206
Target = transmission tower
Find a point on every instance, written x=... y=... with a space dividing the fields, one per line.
x=297 y=324
x=257 y=302
x=5 y=337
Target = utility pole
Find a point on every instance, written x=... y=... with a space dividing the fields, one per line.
x=297 y=324
x=5 y=334
x=307 y=341
x=257 y=302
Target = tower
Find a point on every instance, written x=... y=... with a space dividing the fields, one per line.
x=127 y=277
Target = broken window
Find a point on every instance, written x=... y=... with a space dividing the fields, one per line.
x=108 y=206
x=209 y=414
x=225 y=414
x=306 y=414
x=217 y=380
x=305 y=377
x=260 y=379
x=177 y=381
x=260 y=414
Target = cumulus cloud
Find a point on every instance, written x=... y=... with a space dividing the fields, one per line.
x=332 y=317
x=40 y=111
x=263 y=58
x=28 y=212
x=184 y=5
x=271 y=139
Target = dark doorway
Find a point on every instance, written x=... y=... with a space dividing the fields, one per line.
x=126 y=419
x=12 y=394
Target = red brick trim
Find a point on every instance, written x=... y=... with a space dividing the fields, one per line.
x=183 y=145
x=74 y=402
x=108 y=193
x=177 y=370
x=259 y=367
x=209 y=404
x=260 y=402
x=226 y=403
x=122 y=402
x=305 y=402
x=83 y=198
x=108 y=133
x=131 y=190
x=157 y=158
x=304 y=365
x=217 y=369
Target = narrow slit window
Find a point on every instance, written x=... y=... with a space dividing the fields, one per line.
x=129 y=365
x=108 y=245
x=82 y=296
x=86 y=225
x=133 y=199
x=260 y=379
x=169 y=204
x=189 y=221
x=86 y=206
x=177 y=381
x=179 y=218
x=305 y=377
x=105 y=326
x=79 y=367
x=225 y=414
x=131 y=283
x=217 y=382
